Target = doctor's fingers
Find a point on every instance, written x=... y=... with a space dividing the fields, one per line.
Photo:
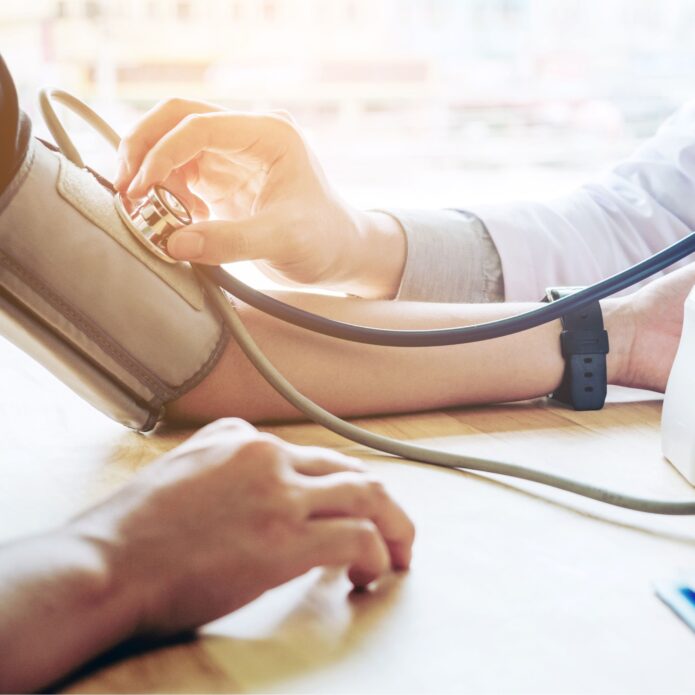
x=260 y=237
x=177 y=183
x=359 y=496
x=262 y=139
x=148 y=130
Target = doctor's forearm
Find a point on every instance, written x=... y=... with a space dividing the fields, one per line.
x=353 y=379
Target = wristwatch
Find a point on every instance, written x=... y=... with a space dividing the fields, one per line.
x=584 y=345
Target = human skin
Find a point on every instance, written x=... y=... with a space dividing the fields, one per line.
x=352 y=379
x=257 y=173
x=227 y=494
x=275 y=205
x=116 y=571
x=186 y=541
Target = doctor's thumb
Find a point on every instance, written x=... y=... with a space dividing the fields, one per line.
x=223 y=241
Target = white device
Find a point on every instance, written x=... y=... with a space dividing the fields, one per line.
x=678 y=416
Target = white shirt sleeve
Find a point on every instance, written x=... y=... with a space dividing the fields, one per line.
x=634 y=210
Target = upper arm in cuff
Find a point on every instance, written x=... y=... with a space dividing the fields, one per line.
x=118 y=327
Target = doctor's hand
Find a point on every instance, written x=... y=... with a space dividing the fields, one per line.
x=274 y=205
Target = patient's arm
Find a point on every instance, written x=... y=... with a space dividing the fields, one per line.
x=354 y=379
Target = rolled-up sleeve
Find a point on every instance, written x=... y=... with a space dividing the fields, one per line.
x=451 y=258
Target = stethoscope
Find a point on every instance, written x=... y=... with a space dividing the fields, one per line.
x=153 y=219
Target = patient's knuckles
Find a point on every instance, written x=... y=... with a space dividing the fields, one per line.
x=229 y=425
x=371 y=496
x=241 y=447
x=264 y=465
x=226 y=434
x=276 y=530
x=262 y=453
x=377 y=490
x=279 y=514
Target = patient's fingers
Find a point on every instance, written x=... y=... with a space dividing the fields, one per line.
x=149 y=129
x=313 y=461
x=260 y=137
x=356 y=543
x=348 y=494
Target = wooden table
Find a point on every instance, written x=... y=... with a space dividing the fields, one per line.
x=514 y=587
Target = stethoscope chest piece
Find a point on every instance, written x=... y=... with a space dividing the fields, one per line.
x=154 y=219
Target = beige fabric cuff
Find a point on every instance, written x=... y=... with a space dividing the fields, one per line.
x=126 y=332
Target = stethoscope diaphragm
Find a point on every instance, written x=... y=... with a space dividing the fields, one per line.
x=154 y=219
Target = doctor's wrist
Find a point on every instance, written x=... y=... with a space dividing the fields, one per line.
x=380 y=256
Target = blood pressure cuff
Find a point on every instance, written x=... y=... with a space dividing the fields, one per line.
x=126 y=331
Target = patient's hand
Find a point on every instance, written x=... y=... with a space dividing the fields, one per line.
x=232 y=513
x=257 y=174
x=652 y=321
x=204 y=530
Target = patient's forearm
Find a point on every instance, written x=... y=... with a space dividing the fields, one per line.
x=59 y=607
x=354 y=379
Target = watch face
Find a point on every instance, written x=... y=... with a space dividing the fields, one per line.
x=554 y=293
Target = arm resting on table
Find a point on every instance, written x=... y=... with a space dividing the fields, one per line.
x=57 y=599
x=353 y=379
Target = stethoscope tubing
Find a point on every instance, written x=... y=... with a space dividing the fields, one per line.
x=368 y=334
x=213 y=278
x=458 y=335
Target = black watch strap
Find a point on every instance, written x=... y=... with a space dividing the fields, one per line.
x=584 y=344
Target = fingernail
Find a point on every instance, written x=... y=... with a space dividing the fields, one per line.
x=187 y=245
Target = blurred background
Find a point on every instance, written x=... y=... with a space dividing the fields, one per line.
x=407 y=102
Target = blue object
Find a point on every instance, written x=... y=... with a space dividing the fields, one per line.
x=679 y=596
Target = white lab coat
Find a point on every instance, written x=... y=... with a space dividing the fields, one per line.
x=634 y=210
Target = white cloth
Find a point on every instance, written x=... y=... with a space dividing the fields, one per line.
x=641 y=205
